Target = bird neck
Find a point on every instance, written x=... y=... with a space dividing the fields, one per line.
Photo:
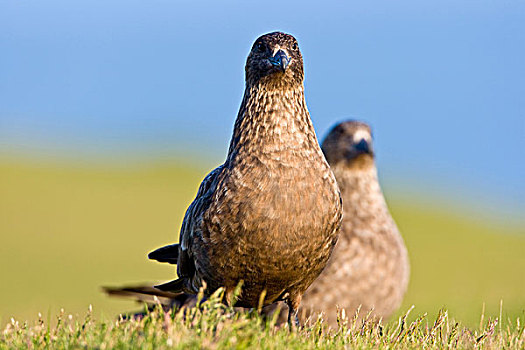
x=272 y=119
x=360 y=190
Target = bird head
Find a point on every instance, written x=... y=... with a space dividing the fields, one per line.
x=275 y=58
x=349 y=142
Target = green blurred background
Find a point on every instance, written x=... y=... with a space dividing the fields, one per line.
x=69 y=229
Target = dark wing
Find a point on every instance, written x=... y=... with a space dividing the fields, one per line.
x=191 y=225
x=190 y=231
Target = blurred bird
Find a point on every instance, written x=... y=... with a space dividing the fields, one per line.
x=369 y=267
x=270 y=215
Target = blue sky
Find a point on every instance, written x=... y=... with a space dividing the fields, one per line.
x=441 y=82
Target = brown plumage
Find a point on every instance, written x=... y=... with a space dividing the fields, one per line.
x=269 y=216
x=369 y=266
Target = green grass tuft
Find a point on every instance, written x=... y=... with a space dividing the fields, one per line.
x=213 y=325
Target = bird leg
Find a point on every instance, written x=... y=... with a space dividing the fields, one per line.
x=292 y=314
x=293 y=310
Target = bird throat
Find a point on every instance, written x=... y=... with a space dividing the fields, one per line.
x=272 y=120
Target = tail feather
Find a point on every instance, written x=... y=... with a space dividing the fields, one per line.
x=175 y=286
x=151 y=296
x=168 y=254
x=141 y=289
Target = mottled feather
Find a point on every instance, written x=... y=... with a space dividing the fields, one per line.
x=369 y=267
x=270 y=215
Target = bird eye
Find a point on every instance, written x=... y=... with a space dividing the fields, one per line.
x=294 y=46
x=260 y=46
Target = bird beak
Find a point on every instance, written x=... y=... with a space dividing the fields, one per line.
x=280 y=59
x=363 y=147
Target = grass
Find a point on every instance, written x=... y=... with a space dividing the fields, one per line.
x=68 y=229
x=214 y=326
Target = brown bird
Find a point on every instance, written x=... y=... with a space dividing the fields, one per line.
x=369 y=267
x=270 y=215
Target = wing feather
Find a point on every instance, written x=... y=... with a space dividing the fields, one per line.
x=191 y=230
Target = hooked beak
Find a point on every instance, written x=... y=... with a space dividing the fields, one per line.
x=280 y=59
x=362 y=147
